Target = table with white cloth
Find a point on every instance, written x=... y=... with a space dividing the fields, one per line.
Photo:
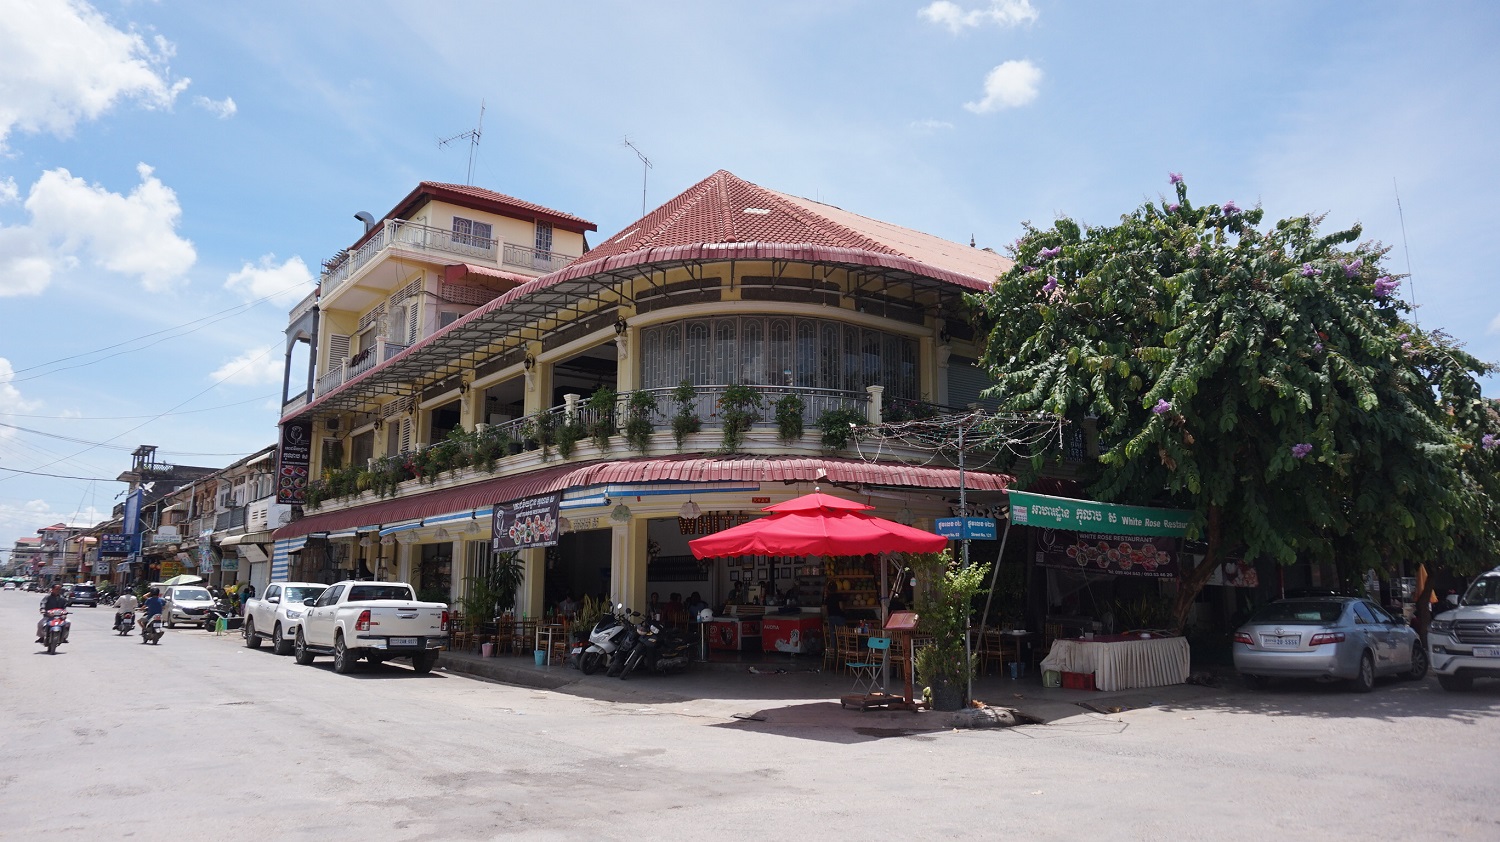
x=1120 y=662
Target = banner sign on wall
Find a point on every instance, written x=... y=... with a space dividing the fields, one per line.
x=1154 y=557
x=294 y=456
x=1109 y=518
x=115 y=544
x=531 y=522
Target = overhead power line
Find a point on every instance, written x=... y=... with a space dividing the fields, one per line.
x=106 y=445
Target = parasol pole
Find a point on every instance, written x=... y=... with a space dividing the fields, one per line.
x=885 y=616
x=963 y=514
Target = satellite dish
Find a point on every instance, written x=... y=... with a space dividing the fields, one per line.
x=705 y=615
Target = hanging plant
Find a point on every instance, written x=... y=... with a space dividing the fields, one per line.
x=837 y=427
x=738 y=411
x=568 y=435
x=789 y=418
x=602 y=404
x=638 y=426
x=685 y=422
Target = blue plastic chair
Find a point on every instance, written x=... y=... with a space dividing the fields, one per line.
x=867 y=671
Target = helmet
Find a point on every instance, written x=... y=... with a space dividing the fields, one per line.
x=156 y=591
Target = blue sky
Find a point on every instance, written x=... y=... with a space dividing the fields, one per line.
x=163 y=162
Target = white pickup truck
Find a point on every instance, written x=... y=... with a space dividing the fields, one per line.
x=371 y=620
x=276 y=614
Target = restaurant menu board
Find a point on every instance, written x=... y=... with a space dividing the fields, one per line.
x=531 y=522
x=294 y=457
x=1092 y=552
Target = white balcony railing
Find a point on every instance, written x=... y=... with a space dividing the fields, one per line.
x=303 y=306
x=348 y=369
x=399 y=232
x=530 y=258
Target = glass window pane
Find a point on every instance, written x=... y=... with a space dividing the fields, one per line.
x=726 y=365
x=853 y=368
x=781 y=351
x=828 y=356
x=807 y=353
x=752 y=352
x=671 y=351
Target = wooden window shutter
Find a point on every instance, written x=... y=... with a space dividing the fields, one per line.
x=338 y=349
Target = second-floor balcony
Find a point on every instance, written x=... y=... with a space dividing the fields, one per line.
x=232 y=519
x=343 y=371
x=530 y=258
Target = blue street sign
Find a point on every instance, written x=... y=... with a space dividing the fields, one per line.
x=978 y=528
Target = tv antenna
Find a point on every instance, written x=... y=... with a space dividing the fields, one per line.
x=645 y=166
x=1411 y=283
x=473 y=136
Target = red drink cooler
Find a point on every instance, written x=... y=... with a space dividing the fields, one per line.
x=797 y=634
x=730 y=634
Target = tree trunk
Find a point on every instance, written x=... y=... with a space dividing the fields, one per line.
x=1192 y=583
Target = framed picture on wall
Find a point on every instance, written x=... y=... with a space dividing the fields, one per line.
x=762 y=562
x=734 y=575
x=784 y=573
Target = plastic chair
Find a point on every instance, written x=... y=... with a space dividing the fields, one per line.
x=867 y=670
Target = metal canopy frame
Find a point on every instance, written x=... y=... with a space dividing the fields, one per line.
x=531 y=317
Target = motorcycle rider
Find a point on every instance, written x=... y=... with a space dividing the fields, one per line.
x=125 y=605
x=54 y=599
x=151 y=609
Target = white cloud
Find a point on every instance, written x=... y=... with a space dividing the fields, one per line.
x=62 y=62
x=1010 y=85
x=1002 y=13
x=10 y=396
x=74 y=222
x=1495 y=324
x=24 y=519
x=8 y=191
x=222 y=108
x=252 y=368
x=929 y=126
x=285 y=284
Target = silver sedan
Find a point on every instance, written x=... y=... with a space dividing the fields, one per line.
x=1327 y=638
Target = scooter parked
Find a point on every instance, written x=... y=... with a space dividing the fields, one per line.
x=657 y=649
x=604 y=641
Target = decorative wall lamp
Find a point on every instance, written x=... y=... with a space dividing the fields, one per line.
x=689 y=510
x=621 y=514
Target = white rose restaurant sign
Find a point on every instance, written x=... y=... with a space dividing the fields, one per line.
x=294 y=457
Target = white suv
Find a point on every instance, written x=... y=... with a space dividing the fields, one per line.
x=1465 y=642
x=277 y=613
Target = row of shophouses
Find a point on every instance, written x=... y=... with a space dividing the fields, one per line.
x=469 y=352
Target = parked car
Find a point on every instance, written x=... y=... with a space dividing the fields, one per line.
x=1327 y=638
x=277 y=614
x=84 y=594
x=372 y=620
x=1465 y=641
x=186 y=604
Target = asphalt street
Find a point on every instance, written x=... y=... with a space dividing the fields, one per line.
x=201 y=738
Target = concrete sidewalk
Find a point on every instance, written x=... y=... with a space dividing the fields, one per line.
x=803 y=693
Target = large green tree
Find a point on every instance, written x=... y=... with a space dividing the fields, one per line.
x=1267 y=380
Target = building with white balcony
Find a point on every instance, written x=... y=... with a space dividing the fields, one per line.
x=702 y=363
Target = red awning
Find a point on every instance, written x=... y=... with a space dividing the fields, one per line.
x=671 y=469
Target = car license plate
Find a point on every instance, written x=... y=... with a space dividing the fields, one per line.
x=1487 y=651
x=403 y=641
x=1271 y=641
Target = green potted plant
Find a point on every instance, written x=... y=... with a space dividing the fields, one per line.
x=837 y=427
x=789 y=418
x=602 y=405
x=685 y=421
x=737 y=412
x=944 y=598
x=638 y=426
x=569 y=433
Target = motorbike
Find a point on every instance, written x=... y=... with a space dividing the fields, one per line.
x=212 y=616
x=657 y=649
x=54 y=628
x=604 y=641
x=124 y=623
x=151 y=630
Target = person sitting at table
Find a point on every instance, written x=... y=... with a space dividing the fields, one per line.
x=569 y=606
x=695 y=604
x=833 y=608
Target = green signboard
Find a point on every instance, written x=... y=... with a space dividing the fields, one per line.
x=1045 y=512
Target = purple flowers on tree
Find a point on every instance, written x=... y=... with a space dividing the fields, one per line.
x=1051 y=285
x=1174 y=177
x=1230 y=207
x=1048 y=254
x=1385 y=285
x=1174 y=207
x=1310 y=271
x=1162 y=407
x=1317 y=347
x=1300 y=451
x=1351 y=269
x=1489 y=442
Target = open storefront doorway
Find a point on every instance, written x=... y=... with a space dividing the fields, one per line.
x=435 y=573
x=578 y=566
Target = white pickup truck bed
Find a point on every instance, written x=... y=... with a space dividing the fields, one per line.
x=376 y=621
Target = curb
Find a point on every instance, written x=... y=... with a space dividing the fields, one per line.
x=528 y=675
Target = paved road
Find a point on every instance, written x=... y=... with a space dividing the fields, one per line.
x=200 y=738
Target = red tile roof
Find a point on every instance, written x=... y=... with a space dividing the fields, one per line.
x=512 y=205
x=681 y=468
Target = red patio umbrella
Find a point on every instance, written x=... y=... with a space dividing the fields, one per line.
x=817 y=524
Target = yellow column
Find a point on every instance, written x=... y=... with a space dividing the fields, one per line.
x=627 y=569
x=531 y=599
